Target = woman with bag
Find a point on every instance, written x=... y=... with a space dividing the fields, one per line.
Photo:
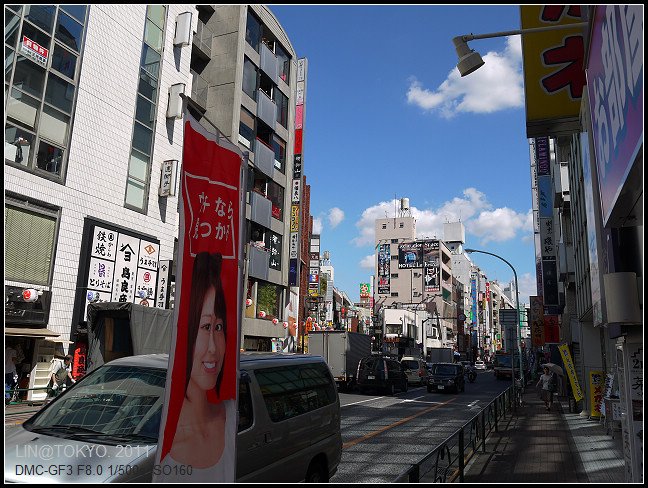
x=548 y=382
x=60 y=372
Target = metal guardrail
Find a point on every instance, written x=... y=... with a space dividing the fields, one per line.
x=15 y=397
x=447 y=462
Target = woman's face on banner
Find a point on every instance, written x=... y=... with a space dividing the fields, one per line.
x=209 y=350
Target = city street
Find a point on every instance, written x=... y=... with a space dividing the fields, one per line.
x=383 y=435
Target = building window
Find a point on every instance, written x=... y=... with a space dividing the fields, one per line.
x=394 y=275
x=395 y=257
x=268 y=298
x=282 y=107
x=30 y=233
x=246 y=128
x=394 y=293
x=284 y=63
x=40 y=91
x=384 y=226
x=253 y=31
x=139 y=169
x=394 y=241
x=401 y=225
x=279 y=148
x=276 y=196
x=250 y=78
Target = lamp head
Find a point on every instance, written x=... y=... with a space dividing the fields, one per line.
x=469 y=60
x=469 y=250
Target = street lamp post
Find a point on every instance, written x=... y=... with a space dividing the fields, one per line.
x=517 y=309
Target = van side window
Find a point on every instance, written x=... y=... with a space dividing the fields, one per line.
x=295 y=390
x=244 y=406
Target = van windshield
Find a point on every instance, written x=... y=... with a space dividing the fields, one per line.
x=119 y=401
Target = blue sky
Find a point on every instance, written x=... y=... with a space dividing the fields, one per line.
x=388 y=116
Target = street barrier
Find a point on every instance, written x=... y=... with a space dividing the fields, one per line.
x=446 y=462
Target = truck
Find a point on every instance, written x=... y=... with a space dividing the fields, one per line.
x=502 y=365
x=440 y=355
x=342 y=350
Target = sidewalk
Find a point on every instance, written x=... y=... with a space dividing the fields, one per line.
x=536 y=446
x=18 y=413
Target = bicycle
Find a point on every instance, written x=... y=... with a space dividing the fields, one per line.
x=519 y=390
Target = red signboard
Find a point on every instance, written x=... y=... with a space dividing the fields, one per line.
x=198 y=429
x=34 y=51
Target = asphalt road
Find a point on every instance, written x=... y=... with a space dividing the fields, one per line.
x=383 y=435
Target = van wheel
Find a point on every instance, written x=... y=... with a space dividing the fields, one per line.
x=390 y=389
x=316 y=473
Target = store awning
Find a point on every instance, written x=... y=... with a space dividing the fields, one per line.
x=29 y=332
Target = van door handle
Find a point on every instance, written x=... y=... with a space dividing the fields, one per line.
x=267 y=437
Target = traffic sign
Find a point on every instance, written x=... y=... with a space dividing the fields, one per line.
x=508 y=316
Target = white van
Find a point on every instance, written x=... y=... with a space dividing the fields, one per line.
x=288 y=431
x=415 y=369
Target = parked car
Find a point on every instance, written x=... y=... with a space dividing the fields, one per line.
x=446 y=376
x=381 y=373
x=480 y=365
x=415 y=369
x=288 y=427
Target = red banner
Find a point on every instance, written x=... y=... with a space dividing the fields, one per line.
x=198 y=430
x=551 y=329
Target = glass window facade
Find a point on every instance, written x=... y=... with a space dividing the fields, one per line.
x=139 y=169
x=43 y=49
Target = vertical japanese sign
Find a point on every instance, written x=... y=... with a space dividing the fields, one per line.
x=597 y=386
x=571 y=371
x=384 y=266
x=163 y=284
x=197 y=440
x=293 y=278
x=536 y=319
x=635 y=402
x=615 y=92
x=122 y=267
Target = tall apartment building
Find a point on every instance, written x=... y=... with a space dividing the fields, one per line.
x=90 y=210
x=402 y=281
x=250 y=74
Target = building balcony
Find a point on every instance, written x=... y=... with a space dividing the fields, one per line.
x=258 y=263
x=202 y=40
x=266 y=109
x=264 y=158
x=260 y=209
x=269 y=63
x=199 y=90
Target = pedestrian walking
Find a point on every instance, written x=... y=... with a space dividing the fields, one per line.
x=548 y=382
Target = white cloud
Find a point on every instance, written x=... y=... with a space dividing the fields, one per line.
x=497 y=85
x=527 y=286
x=335 y=216
x=317 y=225
x=499 y=225
x=473 y=209
x=368 y=262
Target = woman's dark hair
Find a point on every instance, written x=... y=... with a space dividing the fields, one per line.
x=206 y=273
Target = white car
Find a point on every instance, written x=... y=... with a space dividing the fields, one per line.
x=481 y=365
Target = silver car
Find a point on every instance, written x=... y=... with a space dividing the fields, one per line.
x=105 y=428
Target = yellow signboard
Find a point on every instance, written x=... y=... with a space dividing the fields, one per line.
x=571 y=372
x=597 y=387
x=294 y=218
x=554 y=76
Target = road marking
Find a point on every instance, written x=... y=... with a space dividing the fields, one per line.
x=361 y=401
x=395 y=424
x=472 y=404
